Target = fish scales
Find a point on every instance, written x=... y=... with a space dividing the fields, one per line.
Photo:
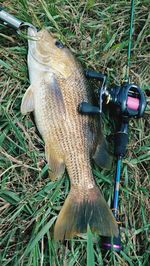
x=57 y=88
x=77 y=126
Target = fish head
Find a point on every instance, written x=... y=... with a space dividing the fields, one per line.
x=45 y=50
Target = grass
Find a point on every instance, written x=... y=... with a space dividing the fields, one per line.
x=97 y=33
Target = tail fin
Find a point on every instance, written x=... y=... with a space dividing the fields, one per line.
x=79 y=212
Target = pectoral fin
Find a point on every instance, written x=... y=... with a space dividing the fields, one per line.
x=27 y=104
x=102 y=157
x=55 y=162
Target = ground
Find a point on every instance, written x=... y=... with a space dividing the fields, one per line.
x=97 y=32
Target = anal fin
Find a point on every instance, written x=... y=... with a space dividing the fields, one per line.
x=102 y=157
x=55 y=162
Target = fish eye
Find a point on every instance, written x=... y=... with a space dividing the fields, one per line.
x=59 y=44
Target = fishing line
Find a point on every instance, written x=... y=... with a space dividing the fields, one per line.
x=126 y=77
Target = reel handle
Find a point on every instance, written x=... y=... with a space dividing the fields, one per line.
x=95 y=75
x=87 y=108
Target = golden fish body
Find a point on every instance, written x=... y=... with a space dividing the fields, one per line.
x=57 y=88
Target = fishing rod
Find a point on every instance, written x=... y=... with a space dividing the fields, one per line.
x=13 y=22
x=128 y=101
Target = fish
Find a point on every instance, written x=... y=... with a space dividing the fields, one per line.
x=72 y=141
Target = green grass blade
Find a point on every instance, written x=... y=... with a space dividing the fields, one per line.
x=39 y=235
x=9 y=196
x=90 y=249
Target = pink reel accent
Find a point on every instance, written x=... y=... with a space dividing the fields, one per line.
x=133 y=103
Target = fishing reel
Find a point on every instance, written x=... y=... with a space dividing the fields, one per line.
x=124 y=102
x=127 y=100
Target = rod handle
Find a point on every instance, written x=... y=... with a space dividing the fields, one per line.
x=112 y=243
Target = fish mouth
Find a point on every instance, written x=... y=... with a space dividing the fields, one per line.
x=32 y=37
x=32 y=32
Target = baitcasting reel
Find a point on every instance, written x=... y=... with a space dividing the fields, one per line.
x=125 y=101
x=128 y=99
